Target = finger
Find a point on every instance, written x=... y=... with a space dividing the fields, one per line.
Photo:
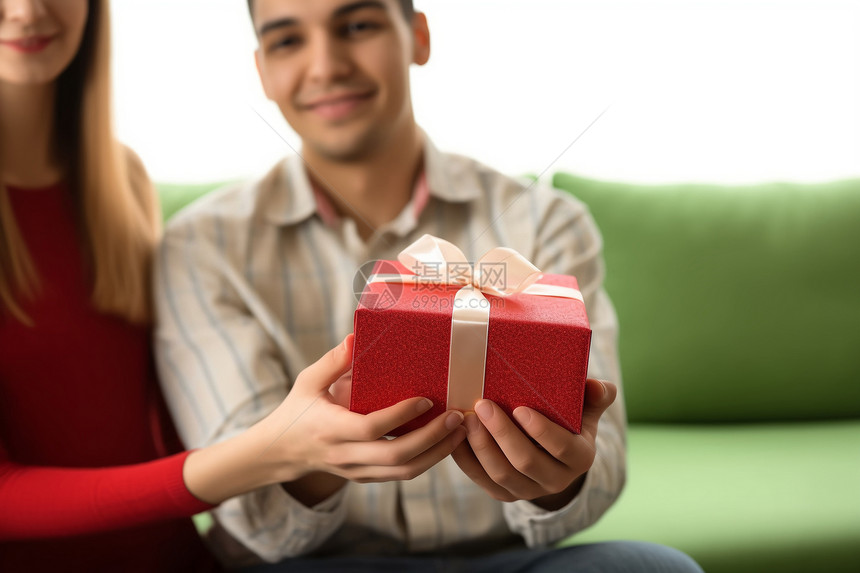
x=355 y=427
x=324 y=372
x=598 y=397
x=494 y=461
x=572 y=450
x=465 y=458
x=401 y=450
x=415 y=467
x=528 y=459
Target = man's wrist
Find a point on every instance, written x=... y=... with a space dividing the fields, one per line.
x=556 y=501
x=314 y=488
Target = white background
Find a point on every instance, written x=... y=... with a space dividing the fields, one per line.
x=696 y=90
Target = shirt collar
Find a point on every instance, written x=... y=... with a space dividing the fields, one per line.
x=291 y=197
x=286 y=195
x=444 y=181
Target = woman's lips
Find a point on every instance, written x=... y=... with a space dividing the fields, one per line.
x=30 y=45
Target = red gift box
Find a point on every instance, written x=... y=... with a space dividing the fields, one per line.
x=536 y=348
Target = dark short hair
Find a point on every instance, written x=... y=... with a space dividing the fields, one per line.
x=406 y=7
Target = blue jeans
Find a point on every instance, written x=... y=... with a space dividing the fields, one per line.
x=609 y=557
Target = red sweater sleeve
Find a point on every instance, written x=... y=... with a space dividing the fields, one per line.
x=38 y=502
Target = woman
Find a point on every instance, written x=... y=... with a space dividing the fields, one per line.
x=84 y=481
x=78 y=222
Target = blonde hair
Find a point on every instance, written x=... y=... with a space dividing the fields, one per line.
x=117 y=208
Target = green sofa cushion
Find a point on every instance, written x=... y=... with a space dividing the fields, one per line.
x=734 y=303
x=778 y=497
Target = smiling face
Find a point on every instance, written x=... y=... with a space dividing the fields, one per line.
x=339 y=70
x=39 y=38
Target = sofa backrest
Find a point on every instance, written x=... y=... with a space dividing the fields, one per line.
x=174 y=197
x=735 y=303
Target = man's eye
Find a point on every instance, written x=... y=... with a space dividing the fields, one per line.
x=285 y=43
x=359 y=28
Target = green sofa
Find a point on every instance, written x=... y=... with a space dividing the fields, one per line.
x=740 y=351
x=739 y=313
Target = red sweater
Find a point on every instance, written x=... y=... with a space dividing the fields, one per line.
x=81 y=424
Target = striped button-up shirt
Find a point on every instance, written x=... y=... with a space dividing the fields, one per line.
x=255 y=282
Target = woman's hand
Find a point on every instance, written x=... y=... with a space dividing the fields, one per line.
x=313 y=444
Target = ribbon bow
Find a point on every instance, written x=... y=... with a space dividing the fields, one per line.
x=427 y=254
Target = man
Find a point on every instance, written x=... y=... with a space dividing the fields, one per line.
x=255 y=283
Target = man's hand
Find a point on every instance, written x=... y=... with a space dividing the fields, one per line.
x=320 y=444
x=505 y=462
